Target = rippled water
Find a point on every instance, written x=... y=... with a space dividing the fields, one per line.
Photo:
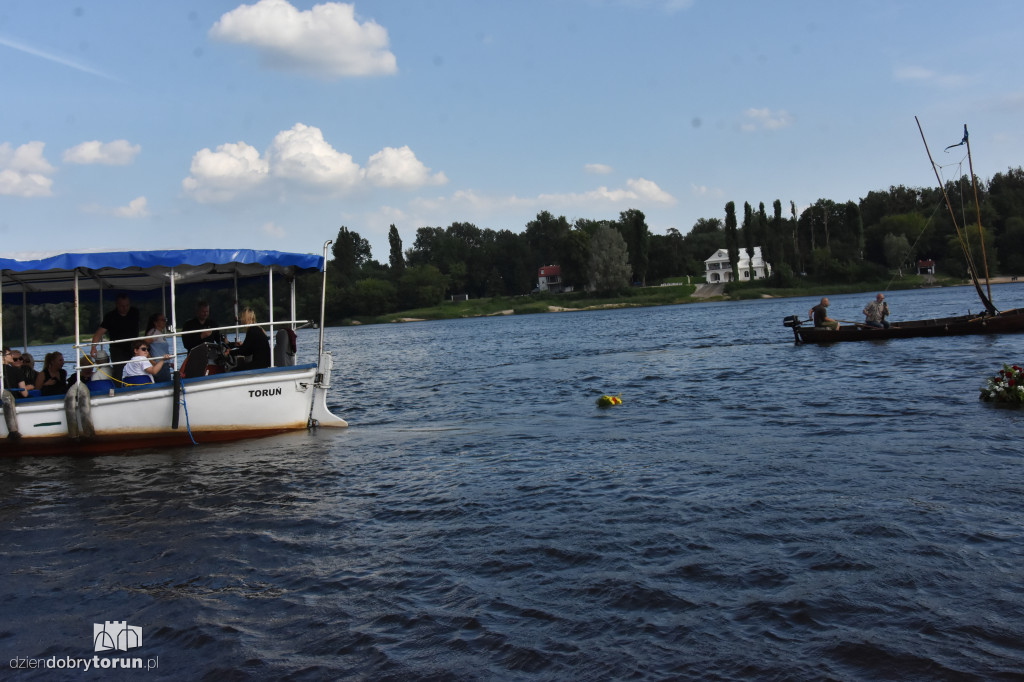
x=754 y=510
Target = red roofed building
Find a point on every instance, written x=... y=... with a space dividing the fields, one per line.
x=549 y=278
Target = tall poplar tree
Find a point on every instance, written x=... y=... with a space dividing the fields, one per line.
x=396 y=259
x=748 y=237
x=732 y=240
x=633 y=228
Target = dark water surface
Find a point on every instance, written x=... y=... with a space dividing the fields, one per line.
x=754 y=510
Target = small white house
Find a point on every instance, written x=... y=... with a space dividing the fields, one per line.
x=717 y=268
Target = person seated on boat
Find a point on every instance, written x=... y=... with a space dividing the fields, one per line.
x=819 y=314
x=158 y=345
x=285 y=343
x=876 y=312
x=141 y=368
x=13 y=380
x=254 y=351
x=88 y=374
x=120 y=323
x=200 y=327
x=53 y=379
x=28 y=370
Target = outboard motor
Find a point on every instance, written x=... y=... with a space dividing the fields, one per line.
x=792 y=321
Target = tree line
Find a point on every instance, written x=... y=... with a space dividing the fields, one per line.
x=883 y=234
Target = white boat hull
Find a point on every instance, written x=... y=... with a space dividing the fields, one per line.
x=217 y=407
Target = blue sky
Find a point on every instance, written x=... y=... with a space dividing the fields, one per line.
x=143 y=125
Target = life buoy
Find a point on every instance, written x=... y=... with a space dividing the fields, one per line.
x=78 y=411
x=10 y=415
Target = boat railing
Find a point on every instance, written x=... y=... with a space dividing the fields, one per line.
x=173 y=333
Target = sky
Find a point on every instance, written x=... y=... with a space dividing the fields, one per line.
x=270 y=124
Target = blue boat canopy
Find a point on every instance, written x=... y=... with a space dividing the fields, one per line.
x=147 y=270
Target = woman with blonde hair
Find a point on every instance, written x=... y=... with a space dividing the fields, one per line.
x=254 y=351
x=53 y=379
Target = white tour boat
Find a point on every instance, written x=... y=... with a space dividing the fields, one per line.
x=215 y=406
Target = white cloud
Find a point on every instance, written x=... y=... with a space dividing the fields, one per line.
x=302 y=155
x=300 y=158
x=273 y=230
x=24 y=171
x=116 y=153
x=136 y=208
x=327 y=40
x=928 y=77
x=705 y=191
x=766 y=119
x=647 y=189
x=224 y=174
x=597 y=168
x=392 y=167
x=636 y=191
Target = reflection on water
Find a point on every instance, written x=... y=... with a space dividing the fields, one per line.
x=753 y=510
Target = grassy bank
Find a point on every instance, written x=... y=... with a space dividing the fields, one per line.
x=752 y=290
x=538 y=303
x=637 y=297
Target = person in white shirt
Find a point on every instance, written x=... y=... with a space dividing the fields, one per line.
x=141 y=368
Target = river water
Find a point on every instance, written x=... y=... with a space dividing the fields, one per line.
x=753 y=510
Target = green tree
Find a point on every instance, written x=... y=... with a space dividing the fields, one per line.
x=1011 y=244
x=748 y=238
x=897 y=252
x=732 y=240
x=511 y=258
x=668 y=255
x=421 y=286
x=396 y=261
x=702 y=241
x=633 y=228
x=350 y=252
x=546 y=237
x=609 y=261
x=374 y=297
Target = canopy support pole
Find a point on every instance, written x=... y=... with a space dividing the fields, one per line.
x=270 y=284
x=236 y=305
x=2 y=333
x=24 y=321
x=78 y=335
x=323 y=299
x=172 y=326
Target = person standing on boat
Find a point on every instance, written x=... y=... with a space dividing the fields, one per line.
x=819 y=314
x=120 y=323
x=158 y=345
x=876 y=312
x=200 y=328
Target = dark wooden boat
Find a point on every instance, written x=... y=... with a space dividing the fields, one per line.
x=991 y=321
x=1003 y=322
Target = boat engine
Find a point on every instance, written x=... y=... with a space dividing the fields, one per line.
x=792 y=321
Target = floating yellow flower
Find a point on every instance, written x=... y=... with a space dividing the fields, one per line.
x=609 y=400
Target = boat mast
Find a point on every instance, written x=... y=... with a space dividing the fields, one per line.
x=977 y=206
x=961 y=237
